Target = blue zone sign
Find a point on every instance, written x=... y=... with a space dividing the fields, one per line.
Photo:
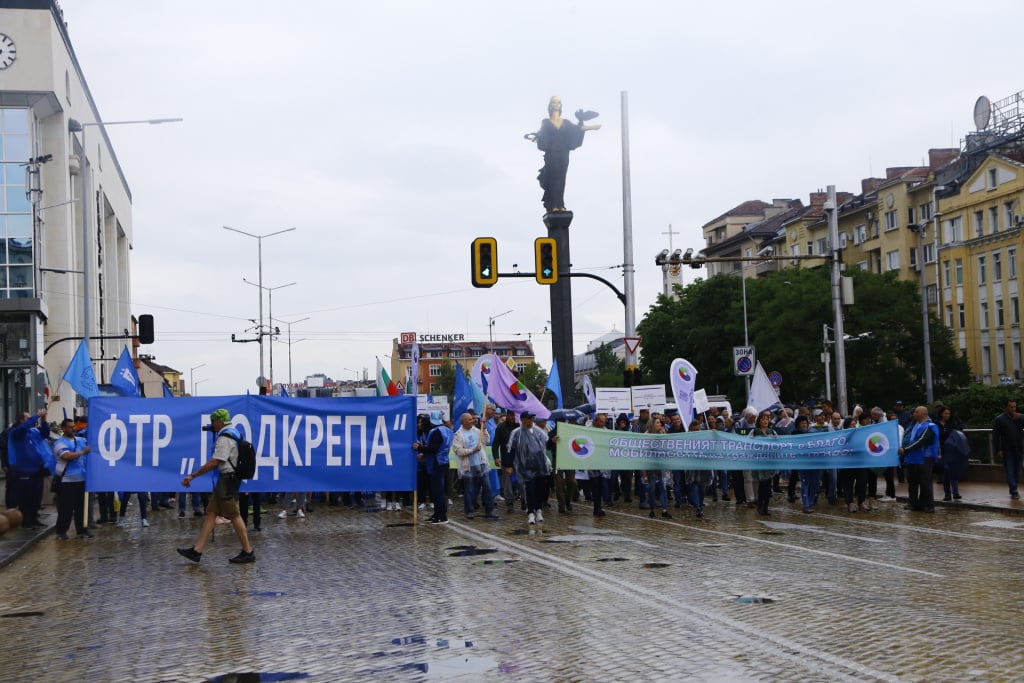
x=316 y=444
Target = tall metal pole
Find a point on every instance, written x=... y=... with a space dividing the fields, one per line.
x=746 y=336
x=825 y=359
x=837 y=298
x=929 y=390
x=259 y=250
x=632 y=370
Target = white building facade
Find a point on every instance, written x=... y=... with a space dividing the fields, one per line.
x=50 y=258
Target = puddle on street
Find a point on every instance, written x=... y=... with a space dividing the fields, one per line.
x=460 y=547
x=257 y=677
x=772 y=532
x=400 y=524
x=753 y=599
x=492 y=563
x=259 y=594
x=471 y=551
x=613 y=559
x=11 y=615
x=655 y=565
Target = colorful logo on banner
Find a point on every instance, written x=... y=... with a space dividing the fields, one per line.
x=582 y=447
x=878 y=444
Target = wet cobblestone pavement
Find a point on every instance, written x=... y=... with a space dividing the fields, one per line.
x=346 y=595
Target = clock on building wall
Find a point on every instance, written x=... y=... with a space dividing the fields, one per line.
x=8 y=51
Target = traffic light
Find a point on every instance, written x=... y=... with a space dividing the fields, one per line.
x=484 y=252
x=145 y=328
x=546 y=252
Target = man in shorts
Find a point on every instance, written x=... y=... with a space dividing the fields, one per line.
x=224 y=498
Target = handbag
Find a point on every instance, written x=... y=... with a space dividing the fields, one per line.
x=58 y=477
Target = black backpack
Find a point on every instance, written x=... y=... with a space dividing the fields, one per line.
x=245 y=468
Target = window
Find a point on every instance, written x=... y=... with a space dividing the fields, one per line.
x=434 y=388
x=823 y=245
x=16 y=243
x=1010 y=222
x=993 y=219
x=926 y=211
x=949 y=315
x=984 y=315
x=954 y=230
x=1014 y=311
x=986 y=360
x=892 y=260
x=910 y=215
x=931 y=295
x=520 y=367
x=1000 y=319
x=794 y=250
x=979 y=223
x=860 y=234
x=929 y=253
x=982 y=270
x=997 y=266
x=435 y=354
x=1016 y=356
x=1001 y=359
x=946 y=273
x=961 y=316
x=863 y=265
x=891 y=220
x=959 y=272
x=913 y=258
x=435 y=370
x=1011 y=262
x=810 y=247
x=993 y=179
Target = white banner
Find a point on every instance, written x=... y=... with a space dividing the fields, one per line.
x=650 y=396
x=613 y=401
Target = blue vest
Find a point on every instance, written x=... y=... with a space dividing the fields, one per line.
x=447 y=436
x=76 y=467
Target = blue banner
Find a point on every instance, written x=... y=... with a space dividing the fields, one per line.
x=586 y=448
x=302 y=444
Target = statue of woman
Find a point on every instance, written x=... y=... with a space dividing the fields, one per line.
x=556 y=138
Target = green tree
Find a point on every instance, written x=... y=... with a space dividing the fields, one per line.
x=446 y=381
x=787 y=312
x=610 y=371
x=534 y=378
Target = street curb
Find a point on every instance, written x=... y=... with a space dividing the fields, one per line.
x=24 y=547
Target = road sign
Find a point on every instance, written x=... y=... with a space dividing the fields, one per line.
x=775 y=378
x=632 y=343
x=743 y=360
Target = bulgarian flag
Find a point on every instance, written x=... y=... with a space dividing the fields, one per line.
x=385 y=387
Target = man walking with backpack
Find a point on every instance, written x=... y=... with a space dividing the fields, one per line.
x=226 y=482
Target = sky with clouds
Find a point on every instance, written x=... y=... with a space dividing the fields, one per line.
x=390 y=134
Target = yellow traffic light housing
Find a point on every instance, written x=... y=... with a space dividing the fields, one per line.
x=484 y=252
x=546 y=253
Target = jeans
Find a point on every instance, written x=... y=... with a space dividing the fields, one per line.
x=1011 y=465
x=140 y=496
x=536 y=493
x=810 y=483
x=196 y=503
x=831 y=485
x=438 y=492
x=471 y=485
x=656 y=493
x=678 y=487
x=697 y=495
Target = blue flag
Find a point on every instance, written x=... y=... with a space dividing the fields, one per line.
x=462 y=401
x=125 y=379
x=80 y=374
x=284 y=392
x=167 y=391
x=554 y=384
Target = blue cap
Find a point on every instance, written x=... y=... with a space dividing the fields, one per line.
x=436 y=417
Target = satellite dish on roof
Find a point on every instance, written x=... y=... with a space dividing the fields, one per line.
x=982 y=112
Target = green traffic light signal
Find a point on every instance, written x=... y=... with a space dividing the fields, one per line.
x=484 y=255
x=546 y=257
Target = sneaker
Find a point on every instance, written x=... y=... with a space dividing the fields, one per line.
x=302 y=515
x=145 y=522
x=198 y=513
x=531 y=519
x=1015 y=496
x=957 y=497
x=243 y=557
x=866 y=507
x=190 y=553
x=398 y=507
x=539 y=516
x=181 y=514
x=282 y=514
x=469 y=515
x=85 y=534
x=852 y=507
x=120 y=521
x=62 y=537
x=666 y=514
x=439 y=521
x=422 y=506
x=499 y=499
x=390 y=506
x=493 y=516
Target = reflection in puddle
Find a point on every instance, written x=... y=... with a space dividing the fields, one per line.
x=472 y=550
x=655 y=565
x=489 y=563
x=10 y=615
x=613 y=559
x=257 y=677
x=753 y=599
x=259 y=594
x=400 y=524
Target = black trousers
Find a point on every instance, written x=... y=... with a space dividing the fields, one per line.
x=244 y=501
x=30 y=497
x=919 y=485
x=71 y=504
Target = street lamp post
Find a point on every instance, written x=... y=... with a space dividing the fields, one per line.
x=929 y=388
x=76 y=126
x=270 y=317
x=832 y=209
x=259 y=251
x=197 y=384
x=290 y=342
x=490 y=328
x=192 y=376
